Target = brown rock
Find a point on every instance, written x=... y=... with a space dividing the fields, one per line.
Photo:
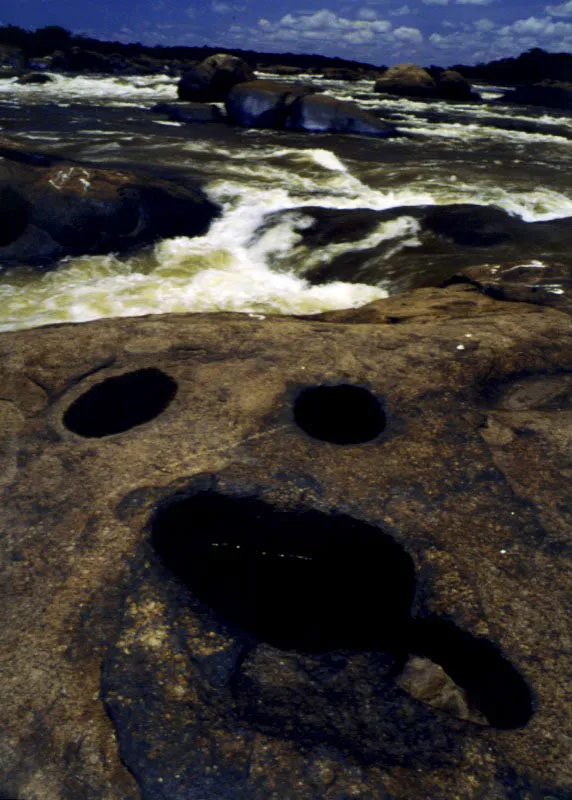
x=213 y=527
x=407 y=80
x=212 y=79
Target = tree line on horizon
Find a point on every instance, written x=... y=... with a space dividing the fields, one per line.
x=531 y=66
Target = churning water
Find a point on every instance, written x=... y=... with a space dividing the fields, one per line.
x=254 y=259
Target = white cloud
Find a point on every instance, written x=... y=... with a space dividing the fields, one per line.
x=563 y=10
x=367 y=13
x=484 y=25
x=474 y=2
x=402 y=11
x=436 y=2
x=190 y=12
x=405 y=34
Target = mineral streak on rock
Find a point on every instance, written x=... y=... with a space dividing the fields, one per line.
x=437 y=543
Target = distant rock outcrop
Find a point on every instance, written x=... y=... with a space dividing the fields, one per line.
x=410 y=80
x=551 y=94
x=212 y=79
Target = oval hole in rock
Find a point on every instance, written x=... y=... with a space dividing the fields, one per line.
x=342 y=414
x=299 y=580
x=120 y=403
x=492 y=685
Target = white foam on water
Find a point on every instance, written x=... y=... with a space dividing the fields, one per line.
x=103 y=89
x=474 y=132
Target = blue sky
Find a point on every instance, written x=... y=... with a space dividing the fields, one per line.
x=378 y=31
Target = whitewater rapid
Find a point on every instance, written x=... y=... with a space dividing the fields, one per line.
x=244 y=264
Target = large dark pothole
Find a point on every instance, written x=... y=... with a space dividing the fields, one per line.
x=304 y=580
x=316 y=583
x=342 y=414
x=120 y=403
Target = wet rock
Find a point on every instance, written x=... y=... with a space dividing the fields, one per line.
x=341 y=74
x=551 y=94
x=209 y=595
x=279 y=69
x=413 y=246
x=264 y=104
x=51 y=208
x=212 y=79
x=407 y=80
x=189 y=112
x=528 y=281
x=35 y=77
x=329 y=115
x=451 y=85
x=280 y=105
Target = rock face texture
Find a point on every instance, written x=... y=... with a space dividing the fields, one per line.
x=288 y=558
x=51 y=208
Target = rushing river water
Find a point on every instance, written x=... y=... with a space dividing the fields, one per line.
x=516 y=158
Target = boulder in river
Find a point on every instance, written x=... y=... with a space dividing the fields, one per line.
x=189 y=112
x=35 y=77
x=212 y=79
x=551 y=94
x=321 y=113
x=281 y=105
x=289 y=558
x=407 y=80
x=51 y=208
x=412 y=246
x=451 y=85
x=264 y=103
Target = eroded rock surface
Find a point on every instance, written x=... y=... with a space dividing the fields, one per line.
x=319 y=558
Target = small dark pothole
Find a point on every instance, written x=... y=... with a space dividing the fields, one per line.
x=493 y=686
x=342 y=414
x=120 y=403
x=304 y=581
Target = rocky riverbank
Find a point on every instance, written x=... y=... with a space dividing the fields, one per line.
x=318 y=558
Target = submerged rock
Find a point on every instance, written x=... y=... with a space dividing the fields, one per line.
x=35 y=77
x=412 y=246
x=51 y=208
x=230 y=545
x=212 y=79
x=189 y=112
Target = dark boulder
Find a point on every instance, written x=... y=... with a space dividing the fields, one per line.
x=263 y=104
x=452 y=86
x=212 y=79
x=273 y=104
x=527 y=281
x=80 y=60
x=412 y=246
x=280 y=69
x=55 y=208
x=407 y=80
x=340 y=74
x=35 y=77
x=551 y=94
x=321 y=113
x=189 y=112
